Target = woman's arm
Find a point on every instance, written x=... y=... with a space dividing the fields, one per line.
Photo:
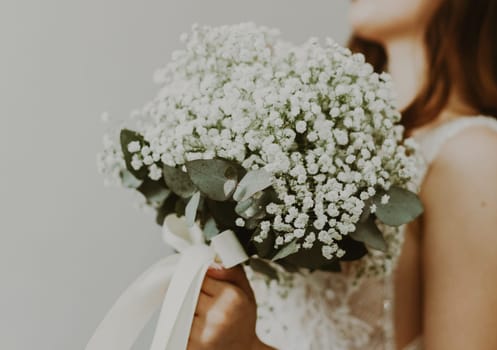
x=459 y=244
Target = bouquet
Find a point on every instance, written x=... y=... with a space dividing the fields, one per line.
x=297 y=149
x=290 y=157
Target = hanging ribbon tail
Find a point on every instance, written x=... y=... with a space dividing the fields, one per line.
x=134 y=308
x=175 y=282
x=178 y=309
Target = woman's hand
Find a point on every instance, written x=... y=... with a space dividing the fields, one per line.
x=226 y=313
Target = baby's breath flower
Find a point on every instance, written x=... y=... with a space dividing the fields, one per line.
x=315 y=116
x=133 y=146
x=301 y=126
x=327 y=252
x=372 y=208
x=136 y=162
x=385 y=198
x=155 y=173
x=272 y=208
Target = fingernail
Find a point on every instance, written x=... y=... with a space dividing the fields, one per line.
x=216 y=266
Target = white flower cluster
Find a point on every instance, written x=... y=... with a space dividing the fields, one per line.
x=315 y=116
x=110 y=161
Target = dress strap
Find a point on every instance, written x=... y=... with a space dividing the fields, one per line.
x=432 y=141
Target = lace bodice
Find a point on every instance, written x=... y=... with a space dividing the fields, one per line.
x=322 y=310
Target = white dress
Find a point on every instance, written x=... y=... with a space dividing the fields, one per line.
x=324 y=310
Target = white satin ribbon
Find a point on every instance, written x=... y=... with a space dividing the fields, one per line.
x=175 y=282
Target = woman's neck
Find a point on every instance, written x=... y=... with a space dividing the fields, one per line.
x=407 y=65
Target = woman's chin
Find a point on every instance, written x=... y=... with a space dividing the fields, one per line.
x=363 y=16
x=366 y=28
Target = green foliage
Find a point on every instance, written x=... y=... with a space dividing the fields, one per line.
x=264 y=248
x=210 y=192
x=403 y=207
x=289 y=267
x=255 y=206
x=168 y=207
x=127 y=136
x=223 y=212
x=178 y=181
x=215 y=178
x=210 y=229
x=368 y=233
x=254 y=221
x=252 y=208
x=354 y=250
x=309 y=258
x=191 y=209
x=289 y=249
x=154 y=191
x=253 y=182
x=243 y=207
x=263 y=267
x=180 y=207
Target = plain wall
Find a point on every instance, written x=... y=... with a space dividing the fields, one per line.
x=69 y=246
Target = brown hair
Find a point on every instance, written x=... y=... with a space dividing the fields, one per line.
x=461 y=43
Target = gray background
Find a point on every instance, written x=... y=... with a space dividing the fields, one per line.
x=69 y=246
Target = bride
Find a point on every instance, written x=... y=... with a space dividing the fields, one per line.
x=442 y=55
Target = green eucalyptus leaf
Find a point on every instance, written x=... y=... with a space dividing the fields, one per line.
x=368 y=233
x=154 y=191
x=223 y=212
x=289 y=249
x=289 y=267
x=354 y=250
x=178 y=181
x=180 y=207
x=253 y=182
x=191 y=209
x=263 y=267
x=166 y=209
x=311 y=258
x=265 y=248
x=244 y=205
x=216 y=178
x=210 y=229
x=129 y=180
x=255 y=207
x=404 y=206
x=126 y=136
x=249 y=211
x=366 y=212
x=253 y=222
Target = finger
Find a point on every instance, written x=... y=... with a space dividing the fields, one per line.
x=211 y=286
x=204 y=303
x=235 y=275
x=196 y=331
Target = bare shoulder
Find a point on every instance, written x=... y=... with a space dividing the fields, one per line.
x=476 y=144
x=460 y=190
x=467 y=162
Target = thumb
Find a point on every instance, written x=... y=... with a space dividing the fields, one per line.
x=235 y=275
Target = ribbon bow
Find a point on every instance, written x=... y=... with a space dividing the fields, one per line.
x=174 y=281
